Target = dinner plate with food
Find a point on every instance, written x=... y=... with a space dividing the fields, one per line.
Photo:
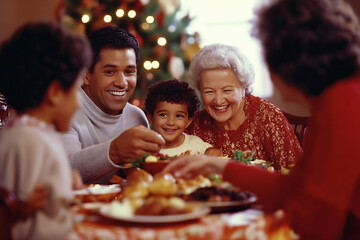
x=145 y=192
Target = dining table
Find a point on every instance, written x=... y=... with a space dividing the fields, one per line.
x=242 y=222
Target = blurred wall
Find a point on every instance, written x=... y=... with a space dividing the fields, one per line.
x=14 y=13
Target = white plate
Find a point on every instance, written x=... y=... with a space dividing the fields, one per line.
x=98 y=189
x=91 y=206
x=199 y=211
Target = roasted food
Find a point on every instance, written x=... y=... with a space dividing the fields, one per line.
x=163 y=185
x=138 y=190
x=147 y=195
x=138 y=175
x=187 y=186
x=218 y=193
x=157 y=205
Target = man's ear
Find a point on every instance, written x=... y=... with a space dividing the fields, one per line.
x=150 y=118
x=55 y=93
x=189 y=121
x=86 y=79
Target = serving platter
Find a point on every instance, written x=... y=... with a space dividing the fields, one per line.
x=231 y=205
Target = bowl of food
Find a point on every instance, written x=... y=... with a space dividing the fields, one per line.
x=155 y=167
x=97 y=193
x=154 y=164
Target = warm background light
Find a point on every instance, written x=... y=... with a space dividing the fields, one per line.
x=107 y=18
x=147 y=65
x=132 y=14
x=161 y=41
x=85 y=18
x=155 y=64
x=120 y=13
x=150 y=19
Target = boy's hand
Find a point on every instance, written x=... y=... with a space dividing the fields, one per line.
x=76 y=180
x=36 y=200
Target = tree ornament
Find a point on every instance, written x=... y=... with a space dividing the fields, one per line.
x=176 y=67
x=169 y=7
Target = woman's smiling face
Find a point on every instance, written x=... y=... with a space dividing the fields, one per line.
x=222 y=95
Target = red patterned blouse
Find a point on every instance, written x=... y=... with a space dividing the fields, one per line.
x=264 y=131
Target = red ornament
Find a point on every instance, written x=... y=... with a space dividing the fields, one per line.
x=160 y=18
x=138 y=6
x=132 y=30
x=169 y=55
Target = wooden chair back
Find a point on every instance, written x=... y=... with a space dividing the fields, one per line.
x=299 y=125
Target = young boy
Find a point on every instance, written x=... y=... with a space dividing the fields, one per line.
x=41 y=67
x=170 y=105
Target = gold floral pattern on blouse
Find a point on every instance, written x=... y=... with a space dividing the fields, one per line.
x=265 y=131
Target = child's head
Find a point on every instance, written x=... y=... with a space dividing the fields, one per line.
x=38 y=56
x=170 y=105
x=172 y=91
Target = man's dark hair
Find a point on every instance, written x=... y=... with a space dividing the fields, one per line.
x=36 y=55
x=112 y=38
x=172 y=91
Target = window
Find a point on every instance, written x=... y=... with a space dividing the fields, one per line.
x=228 y=22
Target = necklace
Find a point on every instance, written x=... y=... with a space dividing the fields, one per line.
x=30 y=121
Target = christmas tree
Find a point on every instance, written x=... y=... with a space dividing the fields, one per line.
x=160 y=26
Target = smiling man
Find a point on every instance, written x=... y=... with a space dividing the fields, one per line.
x=107 y=130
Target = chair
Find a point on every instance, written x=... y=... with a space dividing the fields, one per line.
x=299 y=125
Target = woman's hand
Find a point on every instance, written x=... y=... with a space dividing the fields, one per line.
x=189 y=166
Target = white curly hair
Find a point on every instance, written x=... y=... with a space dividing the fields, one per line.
x=222 y=56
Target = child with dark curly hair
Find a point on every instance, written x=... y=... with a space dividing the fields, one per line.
x=170 y=105
x=41 y=68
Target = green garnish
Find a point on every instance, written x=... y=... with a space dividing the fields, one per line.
x=214 y=178
x=241 y=156
x=138 y=162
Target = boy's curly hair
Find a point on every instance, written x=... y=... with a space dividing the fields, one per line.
x=172 y=91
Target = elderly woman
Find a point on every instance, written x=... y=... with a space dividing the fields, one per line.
x=233 y=119
x=321 y=196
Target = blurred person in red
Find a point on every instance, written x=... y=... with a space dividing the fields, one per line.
x=312 y=49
